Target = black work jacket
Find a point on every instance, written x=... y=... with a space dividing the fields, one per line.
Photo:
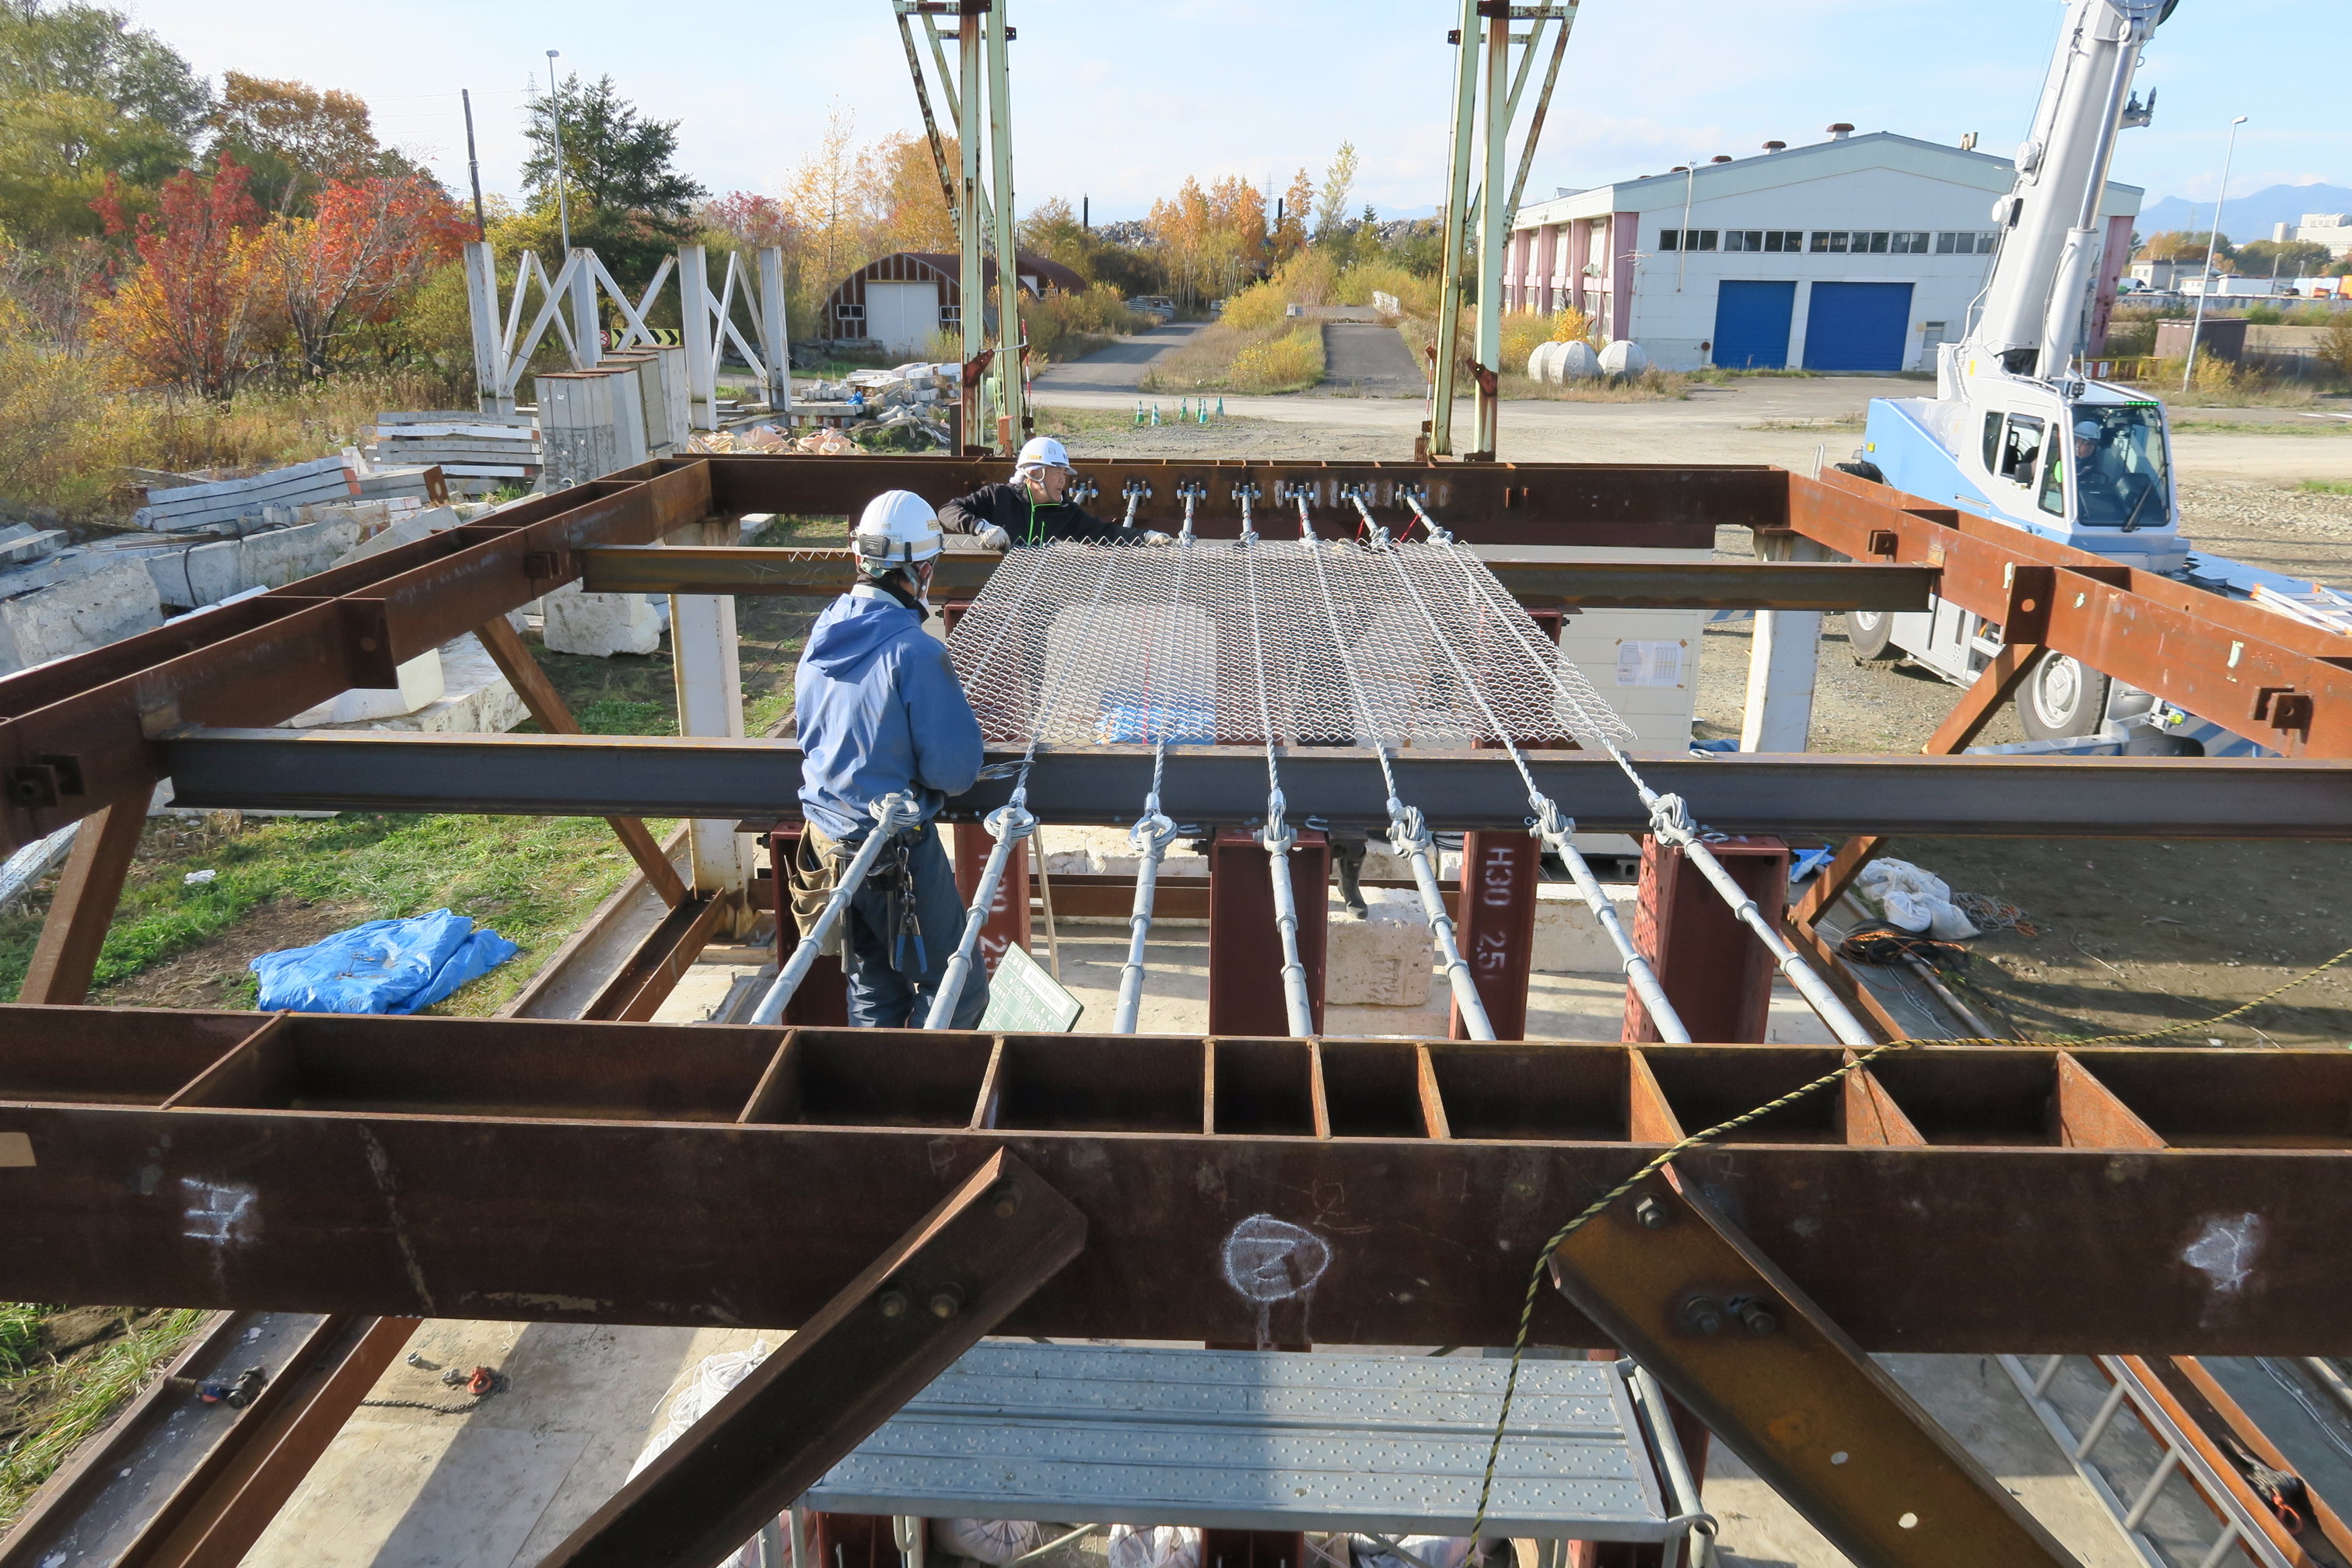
x=1028 y=522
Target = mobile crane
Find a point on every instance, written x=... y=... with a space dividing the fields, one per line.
x=2018 y=432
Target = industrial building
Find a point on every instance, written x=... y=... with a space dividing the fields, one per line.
x=899 y=301
x=1860 y=253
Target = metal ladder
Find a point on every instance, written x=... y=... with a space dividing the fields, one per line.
x=2238 y=1530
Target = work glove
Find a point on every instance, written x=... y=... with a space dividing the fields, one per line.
x=1153 y=536
x=993 y=538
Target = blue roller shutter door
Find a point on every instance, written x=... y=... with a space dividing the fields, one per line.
x=1751 y=324
x=1857 y=326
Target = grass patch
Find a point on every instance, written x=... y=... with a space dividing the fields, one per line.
x=53 y=1409
x=20 y=1336
x=1652 y=386
x=1717 y=375
x=1854 y=421
x=2326 y=487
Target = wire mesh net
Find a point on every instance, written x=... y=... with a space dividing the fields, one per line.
x=1296 y=642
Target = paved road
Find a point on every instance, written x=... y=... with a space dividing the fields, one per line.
x=1370 y=361
x=1120 y=367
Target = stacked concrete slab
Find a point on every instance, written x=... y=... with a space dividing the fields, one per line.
x=225 y=502
x=633 y=405
x=476 y=453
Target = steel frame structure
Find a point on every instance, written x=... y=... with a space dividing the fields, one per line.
x=507 y=1167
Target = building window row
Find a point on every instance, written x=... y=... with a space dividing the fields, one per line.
x=1830 y=241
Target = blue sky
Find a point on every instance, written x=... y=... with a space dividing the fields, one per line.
x=1121 y=102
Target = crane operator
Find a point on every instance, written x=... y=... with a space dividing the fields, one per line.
x=1034 y=508
x=881 y=713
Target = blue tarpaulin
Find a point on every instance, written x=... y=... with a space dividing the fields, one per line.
x=383 y=966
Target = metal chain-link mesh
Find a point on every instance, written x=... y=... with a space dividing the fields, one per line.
x=1077 y=644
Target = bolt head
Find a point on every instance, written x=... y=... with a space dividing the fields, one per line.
x=1758 y=1318
x=893 y=1304
x=1005 y=1201
x=1653 y=1214
x=946 y=1304
x=1703 y=1314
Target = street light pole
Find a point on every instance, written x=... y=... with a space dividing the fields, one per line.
x=2212 y=244
x=555 y=115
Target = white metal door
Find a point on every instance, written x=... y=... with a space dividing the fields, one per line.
x=902 y=317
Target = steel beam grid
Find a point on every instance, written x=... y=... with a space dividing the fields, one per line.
x=1459 y=791
x=2190 y=1199
x=2265 y=676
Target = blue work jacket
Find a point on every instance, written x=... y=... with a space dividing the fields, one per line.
x=880 y=710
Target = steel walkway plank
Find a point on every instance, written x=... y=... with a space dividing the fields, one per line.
x=1271 y=1440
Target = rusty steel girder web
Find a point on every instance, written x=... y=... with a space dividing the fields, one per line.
x=2190 y=1199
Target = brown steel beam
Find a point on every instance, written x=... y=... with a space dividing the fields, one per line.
x=586 y=1173
x=215 y=1517
x=266 y=658
x=1676 y=507
x=653 y=970
x=973 y=1260
x=2263 y=676
x=73 y=933
x=1703 y=585
x=553 y=715
x=1736 y=1340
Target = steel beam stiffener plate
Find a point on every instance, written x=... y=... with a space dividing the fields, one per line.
x=1735 y=1340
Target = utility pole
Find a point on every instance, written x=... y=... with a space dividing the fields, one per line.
x=474 y=163
x=555 y=118
x=973 y=275
x=2212 y=244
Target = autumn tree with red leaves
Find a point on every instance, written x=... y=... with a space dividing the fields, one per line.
x=360 y=259
x=197 y=313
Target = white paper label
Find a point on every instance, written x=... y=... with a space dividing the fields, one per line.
x=1649 y=663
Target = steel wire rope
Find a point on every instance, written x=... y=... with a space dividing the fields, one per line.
x=1407 y=830
x=1011 y=823
x=1151 y=834
x=1550 y=826
x=1683 y=1146
x=1670 y=819
x=1277 y=838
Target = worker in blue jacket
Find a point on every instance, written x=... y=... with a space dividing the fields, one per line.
x=881 y=713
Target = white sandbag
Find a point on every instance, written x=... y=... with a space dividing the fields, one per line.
x=1907 y=911
x=1577 y=361
x=1947 y=922
x=1154 y=1546
x=1892 y=873
x=995 y=1541
x=712 y=1382
x=1914 y=899
x=1437 y=1550
x=1624 y=357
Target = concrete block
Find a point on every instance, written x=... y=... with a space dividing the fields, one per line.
x=21 y=543
x=407 y=529
x=111 y=600
x=472 y=699
x=1568 y=939
x=420 y=683
x=281 y=555
x=600 y=625
x=1385 y=960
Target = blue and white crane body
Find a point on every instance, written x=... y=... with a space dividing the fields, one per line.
x=2017 y=433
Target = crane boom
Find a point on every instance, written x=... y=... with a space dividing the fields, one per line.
x=2034 y=301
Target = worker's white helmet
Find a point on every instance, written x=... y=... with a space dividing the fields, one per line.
x=1042 y=452
x=898 y=529
x=2088 y=429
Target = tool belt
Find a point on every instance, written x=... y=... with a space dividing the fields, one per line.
x=818 y=861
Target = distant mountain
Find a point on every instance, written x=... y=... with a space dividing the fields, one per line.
x=2249 y=217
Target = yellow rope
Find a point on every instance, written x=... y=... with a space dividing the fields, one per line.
x=1535 y=1276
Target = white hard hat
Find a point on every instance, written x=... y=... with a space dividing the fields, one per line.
x=2088 y=429
x=1042 y=452
x=898 y=529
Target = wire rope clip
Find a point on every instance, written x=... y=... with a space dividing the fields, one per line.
x=1550 y=822
x=1010 y=821
x=1670 y=819
x=1152 y=834
x=1408 y=831
x=893 y=812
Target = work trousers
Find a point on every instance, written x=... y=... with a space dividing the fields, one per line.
x=880 y=995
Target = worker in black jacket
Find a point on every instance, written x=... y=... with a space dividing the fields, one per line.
x=1031 y=508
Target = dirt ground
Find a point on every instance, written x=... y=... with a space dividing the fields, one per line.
x=2127 y=936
